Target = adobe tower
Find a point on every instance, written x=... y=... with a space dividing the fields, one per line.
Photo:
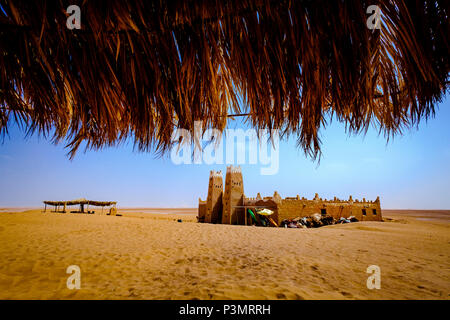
x=233 y=196
x=213 y=213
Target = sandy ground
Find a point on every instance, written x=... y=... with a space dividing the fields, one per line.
x=141 y=255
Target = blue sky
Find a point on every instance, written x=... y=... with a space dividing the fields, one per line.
x=411 y=171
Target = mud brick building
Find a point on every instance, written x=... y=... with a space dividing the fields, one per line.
x=229 y=206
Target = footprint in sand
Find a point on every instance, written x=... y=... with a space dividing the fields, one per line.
x=298 y=297
x=421 y=287
x=315 y=267
x=346 y=294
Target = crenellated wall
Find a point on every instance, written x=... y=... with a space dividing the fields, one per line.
x=290 y=208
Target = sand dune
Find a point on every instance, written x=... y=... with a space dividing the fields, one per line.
x=152 y=256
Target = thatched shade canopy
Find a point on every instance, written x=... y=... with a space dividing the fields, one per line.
x=81 y=201
x=142 y=68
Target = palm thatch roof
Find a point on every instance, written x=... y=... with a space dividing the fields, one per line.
x=81 y=201
x=141 y=68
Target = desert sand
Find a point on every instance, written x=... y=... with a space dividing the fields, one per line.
x=145 y=255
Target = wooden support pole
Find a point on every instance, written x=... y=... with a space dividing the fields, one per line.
x=245 y=214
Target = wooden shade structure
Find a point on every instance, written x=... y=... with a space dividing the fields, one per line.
x=142 y=68
x=81 y=202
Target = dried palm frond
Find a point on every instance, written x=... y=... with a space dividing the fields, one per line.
x=143 y=68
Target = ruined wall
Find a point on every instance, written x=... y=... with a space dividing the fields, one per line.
x=233 y=196
x=213 y=212
x=201 y=210
x=290 y=208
